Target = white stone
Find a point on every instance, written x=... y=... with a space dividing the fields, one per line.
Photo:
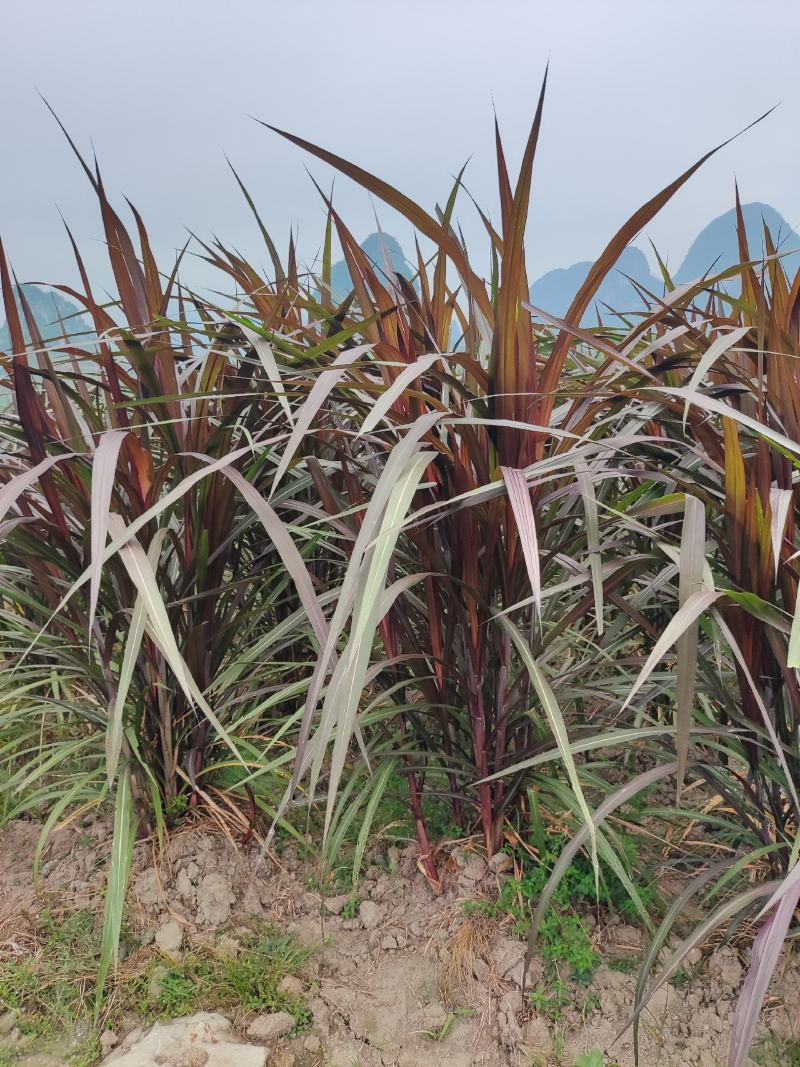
x=201 y=1040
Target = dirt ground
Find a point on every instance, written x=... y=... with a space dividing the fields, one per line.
x=411 y=980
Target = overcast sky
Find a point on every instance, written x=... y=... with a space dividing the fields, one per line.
x=164 y=90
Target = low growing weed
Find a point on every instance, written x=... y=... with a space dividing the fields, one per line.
x=563 y=936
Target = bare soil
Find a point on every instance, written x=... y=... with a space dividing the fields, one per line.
x=411 y=980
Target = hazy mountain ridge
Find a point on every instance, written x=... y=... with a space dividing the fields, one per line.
x=715 y=248
x=384 y=252
x=48 y=307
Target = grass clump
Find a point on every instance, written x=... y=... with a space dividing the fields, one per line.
x=53 y=988
x=776 y=1053
x=204 y=978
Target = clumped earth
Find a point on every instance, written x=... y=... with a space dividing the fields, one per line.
x=388 y=976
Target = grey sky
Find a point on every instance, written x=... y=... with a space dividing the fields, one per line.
x=638 y=90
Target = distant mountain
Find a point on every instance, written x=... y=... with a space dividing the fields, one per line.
x=386 y=255
x=714 y=249
x=717 y=246
x=48 y=306
x=555 y=290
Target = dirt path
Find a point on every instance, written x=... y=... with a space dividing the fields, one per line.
x=408 y=981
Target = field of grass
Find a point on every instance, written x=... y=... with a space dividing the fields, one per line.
x=424 y=556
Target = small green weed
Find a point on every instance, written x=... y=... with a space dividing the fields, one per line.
x=595 y=1058
x=563 y=937
x=351 y=908
x=551 y=998
x=591 y=1004
x=623 y=966
x=440 y=1033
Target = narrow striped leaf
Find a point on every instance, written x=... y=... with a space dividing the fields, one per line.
x=115 y=728
x=780 y=501
x=104 y=468
x=16 y=486
x=341 y=701
x=690 y=581
x=118 y=874
x=390 y=396
x=558 y=728
x=717 y=348
x=317 y=396
x=143 y=577
x=520 y=499
x=270 y=364
x=766 y=951
x=586 y=486
x=678 y=624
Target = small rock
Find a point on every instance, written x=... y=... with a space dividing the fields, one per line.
x=508 y=961
x=8 y=1021
x=323 y=1017
x=500 y=863
x=693 y=957
x=214 y=899
x=283 y=1058
x=335 y=905
x=312 y=1044
x=626 y=941
x=108 y=1039
x=11 y=1039
x=725 y=967
x=433 y=1017
x=290 y=987
x=184 y=887
x=536 y=1034
x=307 y=931
x=370 y=914
x=148 y=888
x=169 y=938
x=707 y=1059
x=147 y=936
x=474 y=869
x=271 y=1026
x=228 y=947
x=381 y=887
x=251 y=899
x=657 y=1004
x=344 y=1054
